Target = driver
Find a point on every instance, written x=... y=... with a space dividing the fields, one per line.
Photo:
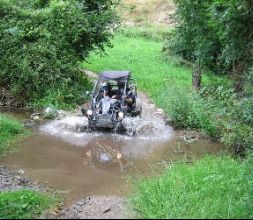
x=104 y=102
x=105 y=90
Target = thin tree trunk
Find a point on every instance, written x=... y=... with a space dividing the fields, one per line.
x=196 y=76
x=238 y=75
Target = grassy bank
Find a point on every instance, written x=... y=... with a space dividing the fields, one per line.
x=24 y=204
x=211 y=188
x=10 y=132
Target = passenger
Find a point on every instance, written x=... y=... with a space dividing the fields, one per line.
x=121 y=87
x=130 y=101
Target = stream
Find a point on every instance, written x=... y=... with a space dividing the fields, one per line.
x=81 y=164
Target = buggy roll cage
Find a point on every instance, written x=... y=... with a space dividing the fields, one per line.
x=118 y=76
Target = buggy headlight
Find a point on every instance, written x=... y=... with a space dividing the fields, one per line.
x=89 y=112
x=121 y=115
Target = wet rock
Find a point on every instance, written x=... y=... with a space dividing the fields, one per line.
x=159 y=112
x=35 y=114
x=21 y=181
x=21 y=172
x=51 y=113
x=29 y=123
x=14 y=181
x=36 y=118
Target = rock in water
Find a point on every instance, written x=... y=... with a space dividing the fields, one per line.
x=36 y=118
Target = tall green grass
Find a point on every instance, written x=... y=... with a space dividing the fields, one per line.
x=10 y=131
x=214 y=187
x=158 y=34
x=152 y=70
x=24 y=204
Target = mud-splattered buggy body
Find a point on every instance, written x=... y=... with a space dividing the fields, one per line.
x=110 y=111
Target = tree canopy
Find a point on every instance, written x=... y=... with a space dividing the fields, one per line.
x=218 y=33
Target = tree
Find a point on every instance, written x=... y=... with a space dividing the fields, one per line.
x=217 y=34
x=233 y=26
x=42 y=41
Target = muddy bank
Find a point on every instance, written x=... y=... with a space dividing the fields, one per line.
x=11 y=181
x=97 y=207
x=105 y=207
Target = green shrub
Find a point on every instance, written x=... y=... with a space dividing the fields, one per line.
x=188 y=110
x=214 y=187
x=41 y=43
x=24 y=204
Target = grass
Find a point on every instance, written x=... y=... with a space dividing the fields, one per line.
x=24 y=204
x=214 y=187
x=158 y=33
x=11 y=131
x=152 y=70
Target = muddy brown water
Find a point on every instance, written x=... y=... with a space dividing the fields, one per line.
x=79 y=164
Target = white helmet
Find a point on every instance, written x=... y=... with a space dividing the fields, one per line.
x=106 y=84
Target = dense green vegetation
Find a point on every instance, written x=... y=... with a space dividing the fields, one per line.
x=24 y=204
x=214 y=187
x=41 y=43
x=218 y=34
x=10 y=131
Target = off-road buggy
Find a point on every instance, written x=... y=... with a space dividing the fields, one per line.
x=108 y=107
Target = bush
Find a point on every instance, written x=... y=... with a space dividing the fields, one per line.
x=188 y=110
x=234 y=116
x=210 y=188
x=41 y=43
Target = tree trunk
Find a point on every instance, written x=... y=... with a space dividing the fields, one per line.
x=238 y=75
x=196 y=76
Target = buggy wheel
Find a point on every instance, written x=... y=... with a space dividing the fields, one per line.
x=131 y=132
x=140 y=113
x=89 y=128
x=119 y=128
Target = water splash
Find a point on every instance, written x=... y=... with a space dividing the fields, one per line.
x=140 y=128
